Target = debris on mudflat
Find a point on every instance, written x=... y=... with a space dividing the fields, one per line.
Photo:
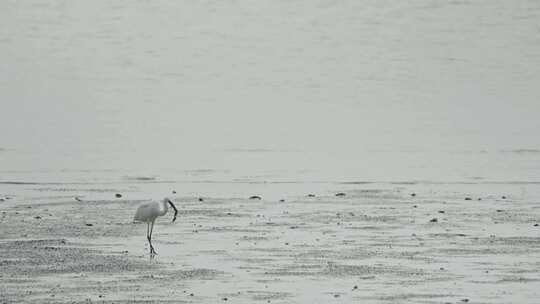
x=255 y=197
x=118 y=195
x=340 y=194
x=433 y=220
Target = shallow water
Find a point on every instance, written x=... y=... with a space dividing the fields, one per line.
x=296 y=90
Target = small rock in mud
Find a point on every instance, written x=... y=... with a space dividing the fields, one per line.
x=413 y=194
x=355 y=287
x=255 y=197
x=201 y=199
x=118 y=195
x=434 y=220
x=535 y=225
x=224 y=299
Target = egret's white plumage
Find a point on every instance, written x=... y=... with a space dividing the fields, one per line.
x=148 y=213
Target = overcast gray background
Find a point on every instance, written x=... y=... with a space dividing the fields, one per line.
x=347 y=90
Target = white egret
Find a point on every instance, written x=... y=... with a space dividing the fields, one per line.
x=149 y=212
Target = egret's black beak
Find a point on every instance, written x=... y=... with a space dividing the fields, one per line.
x=175 y=210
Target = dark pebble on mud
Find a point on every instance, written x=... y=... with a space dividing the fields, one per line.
x=89 y=225
x=118 y=195
x=413 y=194
x=255 y=197
x=224 y=299
x=311 y=195
x=434 y=220
x=201 y=199
x=37 y=217
x=535 y=225
x=441 y=211
x=355 y=287
x=340 y=194
x=281 y=200
x=500 y=210
x=468 y=198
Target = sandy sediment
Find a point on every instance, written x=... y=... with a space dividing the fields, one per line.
x=366 y=245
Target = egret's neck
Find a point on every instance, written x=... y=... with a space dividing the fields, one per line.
x=164 y=207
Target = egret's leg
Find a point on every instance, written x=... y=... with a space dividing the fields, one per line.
x=148 y=236
x=152 y=250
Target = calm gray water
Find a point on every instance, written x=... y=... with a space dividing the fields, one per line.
x=270 y=90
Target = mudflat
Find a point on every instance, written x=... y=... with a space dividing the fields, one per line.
x=367 y=244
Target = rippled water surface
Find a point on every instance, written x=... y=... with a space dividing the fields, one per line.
x=270 y=90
